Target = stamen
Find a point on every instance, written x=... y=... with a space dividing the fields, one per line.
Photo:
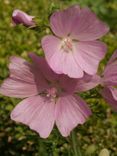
x=52 y=92
x=67 y=45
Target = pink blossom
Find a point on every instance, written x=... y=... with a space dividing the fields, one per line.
x=49 y=97
x=75 y=49
x=20 y=17
x=109 y=82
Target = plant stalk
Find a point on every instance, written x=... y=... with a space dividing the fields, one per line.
x=75 y=144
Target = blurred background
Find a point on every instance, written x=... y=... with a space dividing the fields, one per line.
x=100 y=131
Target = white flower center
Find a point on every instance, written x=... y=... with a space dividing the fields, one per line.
x=67 y=45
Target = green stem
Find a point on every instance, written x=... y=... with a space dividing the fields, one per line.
x=75 y=145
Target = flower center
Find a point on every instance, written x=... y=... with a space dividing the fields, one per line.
x=51 y=92
x=67 y=44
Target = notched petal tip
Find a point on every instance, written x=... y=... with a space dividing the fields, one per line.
x=70 y=112
x=88 y=26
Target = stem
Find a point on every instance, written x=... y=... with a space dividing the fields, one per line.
x=75 y=145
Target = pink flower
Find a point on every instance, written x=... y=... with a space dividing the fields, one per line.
x=20 y=17
x=74 y=49
x=49 y=97
x=109 y=82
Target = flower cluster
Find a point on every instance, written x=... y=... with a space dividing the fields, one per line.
x=49 y=86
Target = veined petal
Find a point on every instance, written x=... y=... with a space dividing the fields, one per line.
x=19 y=67
x=107 y=94
x=50 y=45
x=88 y=82
x=110 y=71
x=110 y=74
x=45 y=69
x=18 y=88
x=70 y=111
x=36 y=112
x=24 y=80
x=62 y=79
x=87 y=27
x=60 y=61
x=88 y=54
x=114 y=92
x=113 y=58
x=62 y=21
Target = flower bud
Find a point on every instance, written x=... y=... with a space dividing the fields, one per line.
x=20 y=17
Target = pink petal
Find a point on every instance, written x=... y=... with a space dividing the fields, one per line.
x=108 y=96
x=62 y=21
x=24 y=80
x=60 y=61
x=36 y=112
x=67 y=84
x=18 y=88
x=70 y=111
x=110 y=72
x=63 y=80
x=20 y=67
x=41 y=63
x=87 y=27
x=114 y=92
x=113 y=58
x=87 y=82
x=88 y=54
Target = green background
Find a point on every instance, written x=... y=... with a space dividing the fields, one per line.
x=100 y=131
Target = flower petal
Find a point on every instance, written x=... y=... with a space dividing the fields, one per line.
x=67 y=84
x=62 y=21
x=41 y=63
x=88 y=82
x=24 y=80
x=61 y=62
x=88 y=54
x=62 y=79
x=20 y=67
x=114 y=92
x=17 y=88
x=110 y=72
x=113 y=58
x=36 y=112
x=87 y=27
x=70 y=111
x=107 y=94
